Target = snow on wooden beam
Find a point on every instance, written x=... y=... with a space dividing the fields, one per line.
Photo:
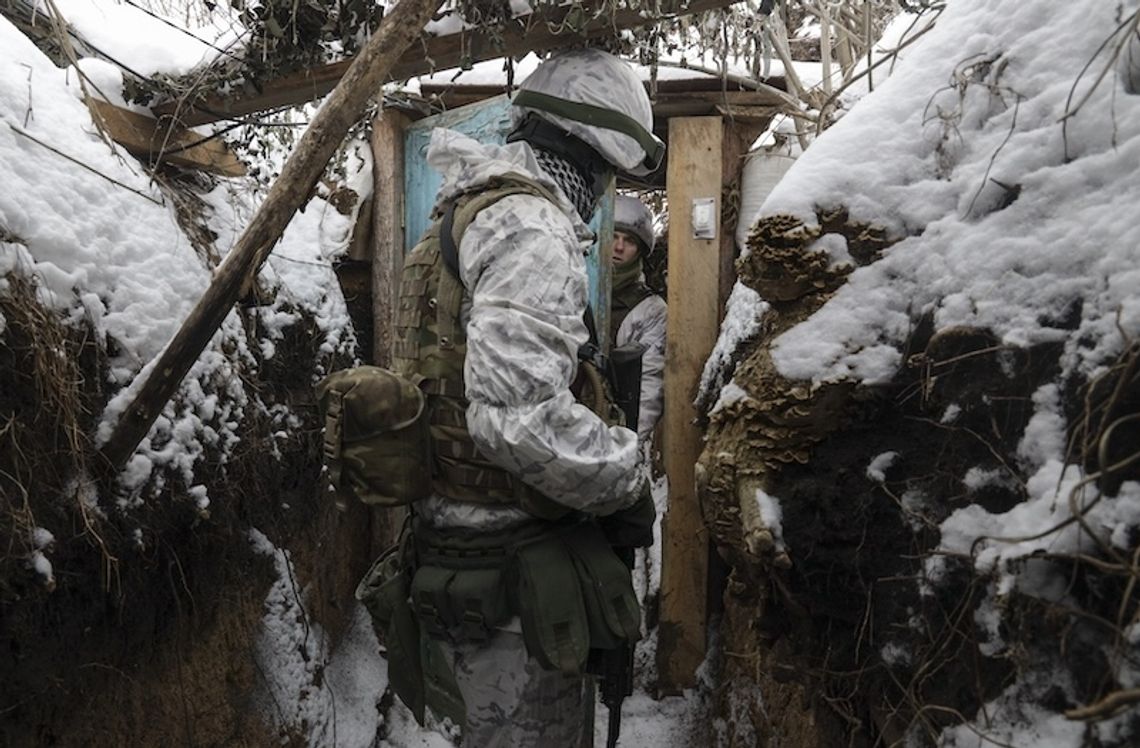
x=156 y=141
x=546 y=29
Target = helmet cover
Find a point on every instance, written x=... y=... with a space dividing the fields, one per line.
x=633 y=218
x=599 y=99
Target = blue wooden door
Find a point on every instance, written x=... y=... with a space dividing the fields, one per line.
x=489 y=121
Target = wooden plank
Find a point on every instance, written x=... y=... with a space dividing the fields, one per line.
x=487 y=121
x=551 y=27
x=694 y=171
x=388 y=131
x=695 y=103
x=148 y=138
x=299 y=175
x=387 y=228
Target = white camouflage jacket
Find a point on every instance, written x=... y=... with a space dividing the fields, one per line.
x=645 y=325
x=523 y=267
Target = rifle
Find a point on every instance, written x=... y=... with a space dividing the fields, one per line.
x=614 y=667
x=623 y=371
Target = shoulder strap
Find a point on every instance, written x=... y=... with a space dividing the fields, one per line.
x=448 y=248
x=473 y=202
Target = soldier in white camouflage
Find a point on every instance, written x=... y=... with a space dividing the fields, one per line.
x=526 y=452
x=637 y=314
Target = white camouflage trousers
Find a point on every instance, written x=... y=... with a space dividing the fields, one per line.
x=511 y=701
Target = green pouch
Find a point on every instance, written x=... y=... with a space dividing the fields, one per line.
x=479 y=598
x=607 y=588
x=384 y=588
x=376 y=444
x=461 y=604
x=384 y=591
x=550 y=605
x=431 y=600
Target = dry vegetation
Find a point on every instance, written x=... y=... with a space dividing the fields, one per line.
x=141 y=629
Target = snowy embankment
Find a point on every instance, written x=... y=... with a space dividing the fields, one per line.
x=102 y=244
x=999 y=164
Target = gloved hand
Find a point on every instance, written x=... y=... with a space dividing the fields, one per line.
x=631 y=527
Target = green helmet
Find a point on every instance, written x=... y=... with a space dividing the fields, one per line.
x=599 y=99
x=633 y=218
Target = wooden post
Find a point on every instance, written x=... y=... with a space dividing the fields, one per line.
x=694 y=172
x=387 y=227
x=387 y=265
x=304 y=166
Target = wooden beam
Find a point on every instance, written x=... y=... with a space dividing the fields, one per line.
x=550 y=27
x=147 y=138
x=694 y=172
x=694 y=103
x=299 y=175
x=387 y=265
x=387 y=228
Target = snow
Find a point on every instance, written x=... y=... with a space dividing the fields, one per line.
x=971 y=119
x=771 y=515
x=955 y=128
x=103 y=244
x=877 y=470
x=143 y=43
x=1004 y=166
x=1011 y=720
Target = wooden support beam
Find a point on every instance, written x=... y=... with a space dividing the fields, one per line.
x=387 y=227
x=550 y=27
x=694 y=172
x=147 y=138
x=387 y=265
x=299 y=175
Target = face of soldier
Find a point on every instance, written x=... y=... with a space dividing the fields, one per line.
x=625 y=248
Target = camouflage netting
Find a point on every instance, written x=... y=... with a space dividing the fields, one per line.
x=832 y=633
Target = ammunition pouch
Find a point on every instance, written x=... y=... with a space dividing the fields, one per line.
x=569 y=589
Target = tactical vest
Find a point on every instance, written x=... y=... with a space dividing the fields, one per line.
x=430 y=348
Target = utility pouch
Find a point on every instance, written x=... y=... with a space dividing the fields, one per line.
x=376 y=445
x=550 y=605
x=461 y=604
x=607 y=588
x=432 y=601
x=479 y=598
x=384 y=592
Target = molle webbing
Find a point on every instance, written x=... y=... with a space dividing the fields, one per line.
x=431 y=342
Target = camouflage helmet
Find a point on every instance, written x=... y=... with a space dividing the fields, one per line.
x=633 y=218
x=599 y=99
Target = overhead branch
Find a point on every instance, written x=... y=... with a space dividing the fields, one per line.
x=360 y=82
